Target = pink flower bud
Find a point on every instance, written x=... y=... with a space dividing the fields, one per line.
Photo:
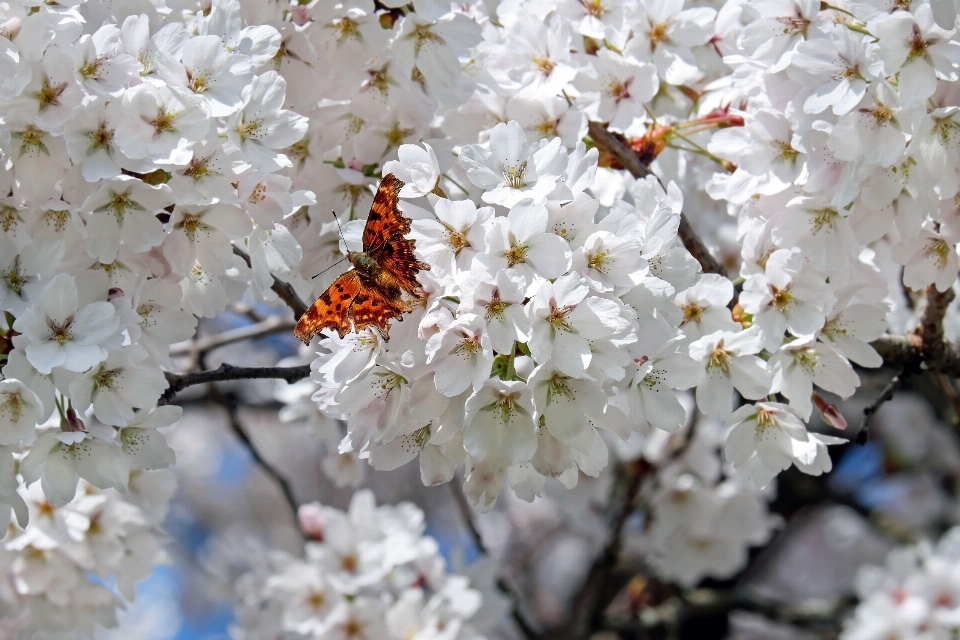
x=831 y=414
x=312 y=521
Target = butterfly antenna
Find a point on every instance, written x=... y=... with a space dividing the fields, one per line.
x=338 y=226
x=330 y=267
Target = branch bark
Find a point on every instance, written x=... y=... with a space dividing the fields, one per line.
x=180 y=381
x=519 y=617
x=617 y=146
x=924 y=349
x=888 y=392
x=600 y=588
x=269 y=326
x=283 y=289
x=930 y=329
x=234 y=418
x=900 y=351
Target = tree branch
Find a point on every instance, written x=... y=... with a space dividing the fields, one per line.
x=180 y=381
x=616 y=145
x=930 y=329
x=906 y=351
x=283 y=289
x=888 y=392
x=924 y=349
x=525 y=626
x=599 y=589
x=233 y=417
x=266 y=327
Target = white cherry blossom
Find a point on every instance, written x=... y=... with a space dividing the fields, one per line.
x=499 y=300
x=462 y=355
x=804 y=362
x=62 y=333
x=20 y=411
x=783 y=297
x=118 y=385
x=124 y=210
x=564 y=321
x=499 y=425
x=512 y=170
x=459 y=232
x=704 y=306
x=160 y=123
x=767 y=430
x=519 y=241
x=727 y=357
x=60 y=459
x=261 y=126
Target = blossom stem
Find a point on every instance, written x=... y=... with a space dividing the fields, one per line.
x=827 y=5
x=888 y=392
x=58 y=401
x=456 y=184
x=511 y=368
x=702 y=151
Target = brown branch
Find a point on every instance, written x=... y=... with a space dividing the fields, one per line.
x=924 y=349
x=600 y=588
x=268 y=326
x=617 y=146
x=523 y=623
x=951 y=393
x=283 y=289
x=234 y=419
x=888 y=392
x=179 y=382
x=906 y=351
x=929 y=331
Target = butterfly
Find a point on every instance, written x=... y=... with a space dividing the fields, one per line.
x=371 y=294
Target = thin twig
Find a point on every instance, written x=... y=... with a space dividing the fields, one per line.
x=269 y=326
x=951 y=393
x=180 y=381
x=888 y=392
x=526 y=626
x=617 y=146
x=283 y=289
x=234 y=418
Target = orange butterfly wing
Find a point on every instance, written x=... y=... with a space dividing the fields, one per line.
x=383 y=237
x=371 y=308
x=331 y=310
x=385 y=219
x=365 y=302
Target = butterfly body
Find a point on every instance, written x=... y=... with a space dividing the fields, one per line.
x=372 y=293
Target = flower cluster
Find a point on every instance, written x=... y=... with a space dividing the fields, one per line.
x=65 y=573
x=154 y=167
x=136 y=149
x=856 y=149
x=368 y=573
x=547 y=321
x=705 y=516
x=916 y=595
